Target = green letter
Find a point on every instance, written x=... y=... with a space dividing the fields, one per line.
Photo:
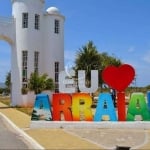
x=138 y=107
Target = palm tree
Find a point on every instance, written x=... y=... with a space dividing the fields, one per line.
x=39 y=83
x=107 y=60
x=88 y=59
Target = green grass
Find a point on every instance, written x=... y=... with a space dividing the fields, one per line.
x=6 y=101
x=25 y=110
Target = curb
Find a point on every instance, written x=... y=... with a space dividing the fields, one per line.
x=91 y=125
x=27 y=138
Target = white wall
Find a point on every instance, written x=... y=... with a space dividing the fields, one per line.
x=44 y=40
x=28 y=38
x=54 y=44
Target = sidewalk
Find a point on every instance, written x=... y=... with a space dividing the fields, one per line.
x=79 y=139
x=48 y=138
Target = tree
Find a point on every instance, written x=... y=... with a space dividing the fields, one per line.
x=8 y=82
x=147 y=87
x=88 y=59
x=107 y=60
x=49 y=84
x=39 y=83
x=1 y=90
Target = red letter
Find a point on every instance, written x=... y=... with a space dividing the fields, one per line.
x=61 y=104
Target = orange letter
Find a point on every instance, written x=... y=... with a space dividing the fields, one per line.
x=81 y=107
x=61 y=104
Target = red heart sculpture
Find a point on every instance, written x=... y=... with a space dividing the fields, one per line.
x=118 y=78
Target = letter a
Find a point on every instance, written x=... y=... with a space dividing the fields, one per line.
x=42 y=108
x=105 y=107
x=137 y=106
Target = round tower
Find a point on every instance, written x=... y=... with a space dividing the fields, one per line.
x=28 y=17
x=39 y=44
x=28 y=28
x=54 y=43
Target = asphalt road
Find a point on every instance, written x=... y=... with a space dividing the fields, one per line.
x=9 y=139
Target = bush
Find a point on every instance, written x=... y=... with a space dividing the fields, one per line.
x=39 y=83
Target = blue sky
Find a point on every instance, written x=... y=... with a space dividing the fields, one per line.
x=119 y=27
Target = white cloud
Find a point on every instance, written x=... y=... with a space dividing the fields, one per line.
x=146 y=57
x=131 y=49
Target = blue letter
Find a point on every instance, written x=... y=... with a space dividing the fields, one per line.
x=42 y=108
x=105 y=107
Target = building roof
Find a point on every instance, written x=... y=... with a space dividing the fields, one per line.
x=53 y=10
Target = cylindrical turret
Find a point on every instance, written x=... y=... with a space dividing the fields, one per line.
x=38 y=46
x=54 y=42
x=28 y=15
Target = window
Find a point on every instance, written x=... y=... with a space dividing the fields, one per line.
x=56 y=67
x=36 y=61
x=56 y=76
x=24 y=67
x=25 y=20
x=37 y=22
x=57 y=26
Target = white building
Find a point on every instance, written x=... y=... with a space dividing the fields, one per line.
x=36 y=38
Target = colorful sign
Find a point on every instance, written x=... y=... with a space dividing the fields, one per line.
x=71 y=106
x=118 y=78
x=41 y=109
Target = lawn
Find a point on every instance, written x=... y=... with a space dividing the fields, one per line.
x=6 y=100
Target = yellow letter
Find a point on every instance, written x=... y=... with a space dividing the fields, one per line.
x=81 y=107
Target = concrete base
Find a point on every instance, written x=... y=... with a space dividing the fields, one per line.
x=91 y=125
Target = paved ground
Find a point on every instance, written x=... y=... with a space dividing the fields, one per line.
x=77 y=139
x=109 y=138
x=9 y=139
